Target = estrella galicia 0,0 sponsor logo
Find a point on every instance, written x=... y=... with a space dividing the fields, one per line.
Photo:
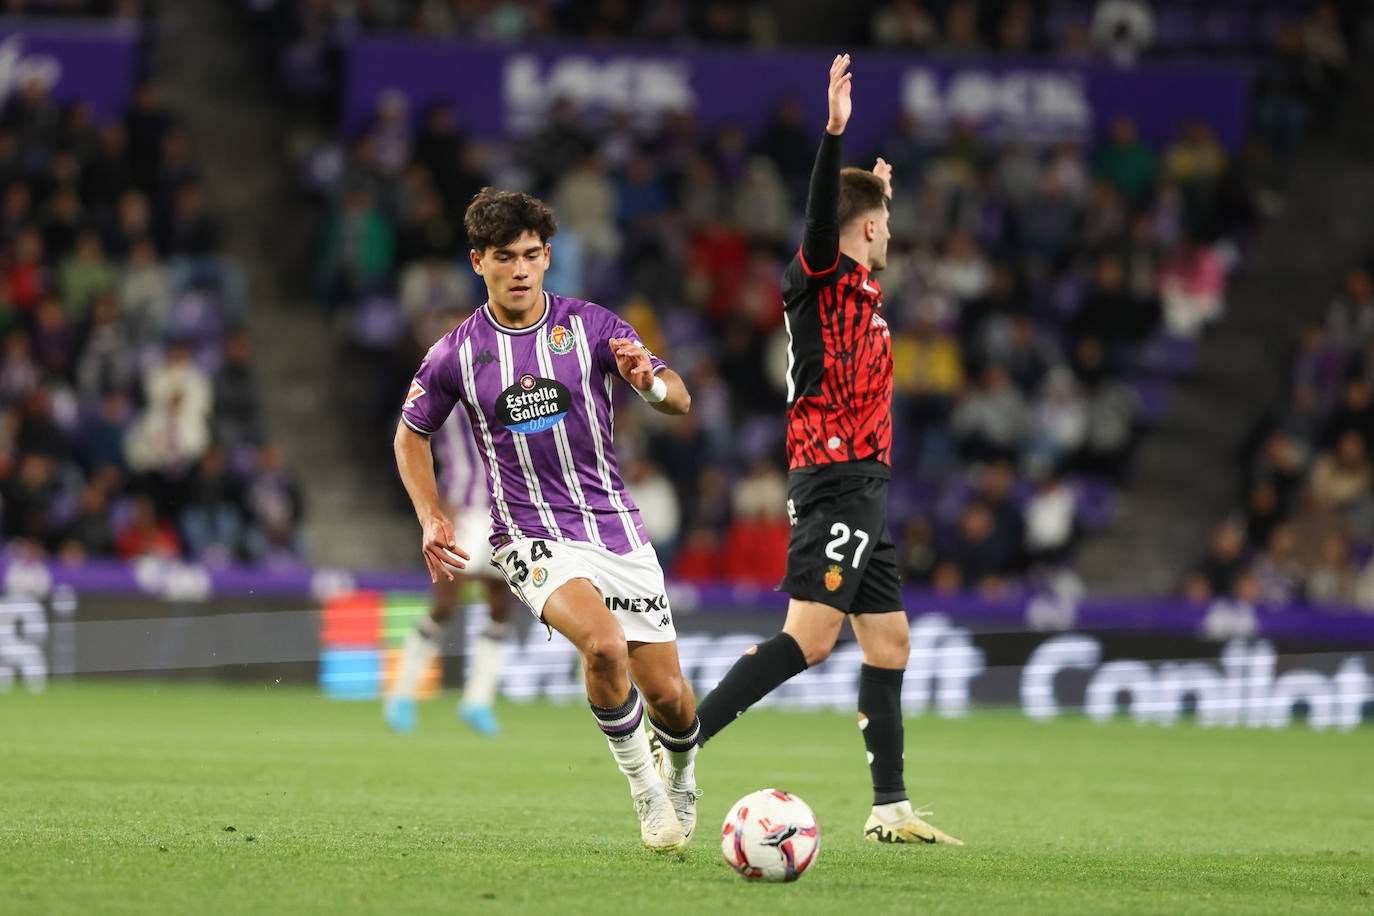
x=533 y=404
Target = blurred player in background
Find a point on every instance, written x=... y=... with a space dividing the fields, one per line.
x=534 y=372
x=464 y=493
x=841 y=559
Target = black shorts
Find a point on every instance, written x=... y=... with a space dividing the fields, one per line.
x=841 y=552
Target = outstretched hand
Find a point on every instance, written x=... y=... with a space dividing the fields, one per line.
x=632 y=359
x=841 y=105
x=884 y=171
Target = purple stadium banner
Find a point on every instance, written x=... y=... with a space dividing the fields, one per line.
x=1158 y=661
x=92 y=64
x=190 y=583
x=504 y=92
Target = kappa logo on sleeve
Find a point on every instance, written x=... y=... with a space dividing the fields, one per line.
x=416 y=391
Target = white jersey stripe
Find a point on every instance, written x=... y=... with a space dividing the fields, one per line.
x=791 y=359
x=584 y=359
x=565 y=460
x=498 y=489
x=522 y=448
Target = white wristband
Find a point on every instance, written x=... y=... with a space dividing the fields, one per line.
x=655 y=392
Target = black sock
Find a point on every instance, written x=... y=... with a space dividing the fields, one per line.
x=618 y=721
x=675 y=741
x=880 y=720
x=749 y=680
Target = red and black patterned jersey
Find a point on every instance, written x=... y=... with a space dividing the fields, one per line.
x=839 y=365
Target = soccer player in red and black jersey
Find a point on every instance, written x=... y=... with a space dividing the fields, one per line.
x=841 y=560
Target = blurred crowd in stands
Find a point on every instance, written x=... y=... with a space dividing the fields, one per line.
x=1041 y=299
x=131 y=420
x=131 y=11
x=1304 y=529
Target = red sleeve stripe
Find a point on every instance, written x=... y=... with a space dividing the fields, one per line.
x=801 y=256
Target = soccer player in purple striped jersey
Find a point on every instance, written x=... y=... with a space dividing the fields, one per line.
x=535 y=373
x=463 y=489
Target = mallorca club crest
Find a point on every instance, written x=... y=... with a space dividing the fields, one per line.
x=833 y=578
x=561 y=339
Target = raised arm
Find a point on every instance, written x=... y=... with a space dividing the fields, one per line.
x=636 y=368
x=821 y=244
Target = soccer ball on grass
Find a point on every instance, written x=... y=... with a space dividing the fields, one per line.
x=770 y=835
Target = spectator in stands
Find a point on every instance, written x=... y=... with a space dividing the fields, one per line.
x=990 y=420
x=237 y=416
x=1224 y=560
x=145 y=290
x=275 y=507
x=89 y=533
x=658 y=504
x=1060 y=425
x=1341 y=477
x=973 y=559
x=147 y=535
x=1113 y=412
x=1192 y=287
x=1278 y=569
x=1325 y=48
x=961 y=28
x=29 y=497
x=25 y=277
x=1126 y=162
x=1049 y=520
x=928 y=370
x=1122 y=30
x=357 y=251
x=918 y=556
x=104 y=429
x=1263 y=513
x=1354 y=412
x=211 y=520
x=1017 y=343
x=1350 y=316
x=85 y=274
x=903 y=24
x=1112 y=315
x=1333 y=578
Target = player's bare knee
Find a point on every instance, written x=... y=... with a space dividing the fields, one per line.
x=605 y=652
x=666 y=694
x=816 y=651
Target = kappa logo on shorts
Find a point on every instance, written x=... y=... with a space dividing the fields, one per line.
x=833 y=578
x=561 y=340
x=539 y=575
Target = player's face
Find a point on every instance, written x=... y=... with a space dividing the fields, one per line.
x=877 y=251
x=514 y=275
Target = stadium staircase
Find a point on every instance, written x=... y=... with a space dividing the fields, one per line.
x=224 y=95
x=1187 y=467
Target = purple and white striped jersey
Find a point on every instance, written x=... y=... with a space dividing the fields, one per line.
x=462 y=477
x=539 y=401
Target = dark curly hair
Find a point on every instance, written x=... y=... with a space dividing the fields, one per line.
x=496 y=218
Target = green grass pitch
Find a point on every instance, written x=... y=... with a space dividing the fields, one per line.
x=138 y=797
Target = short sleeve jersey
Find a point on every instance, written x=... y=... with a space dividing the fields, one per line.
x=839 y=365
x=539 y=400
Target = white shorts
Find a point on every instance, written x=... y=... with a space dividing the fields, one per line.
x=472 y=532
x=631 y=585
